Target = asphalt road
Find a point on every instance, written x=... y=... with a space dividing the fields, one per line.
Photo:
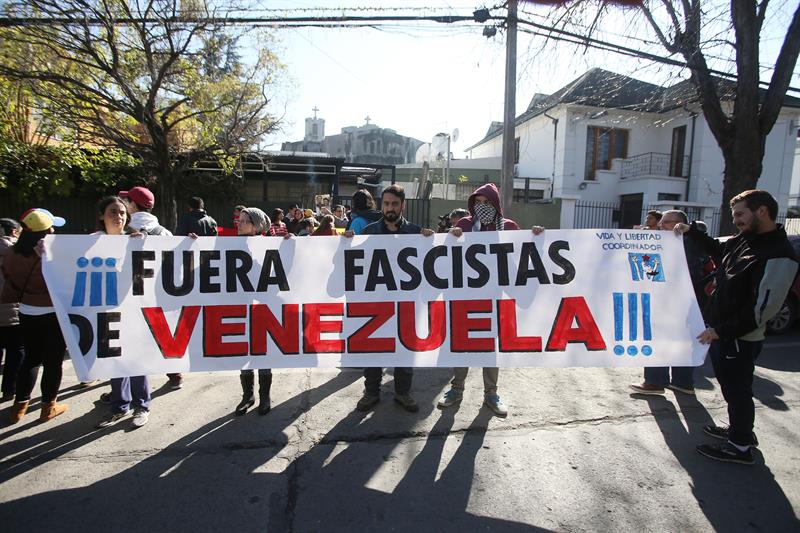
x=577 y=453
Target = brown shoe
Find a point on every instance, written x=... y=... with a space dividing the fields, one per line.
x=646 y=388
x=18 y=411
x=51 y=410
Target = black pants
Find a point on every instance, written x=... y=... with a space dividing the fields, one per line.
x=44 y=346
x=734 y=364
x=11 y=342
x=402 y=380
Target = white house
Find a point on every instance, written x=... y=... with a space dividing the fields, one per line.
x=611 y=138
x=794 y=190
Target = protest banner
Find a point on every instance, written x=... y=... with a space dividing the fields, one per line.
x=132 y=306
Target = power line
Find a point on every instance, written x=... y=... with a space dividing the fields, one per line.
x=340 y=21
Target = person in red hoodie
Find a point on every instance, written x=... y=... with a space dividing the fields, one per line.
x=485 y=215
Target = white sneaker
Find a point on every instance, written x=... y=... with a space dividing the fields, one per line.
x=493 y=402
x=140 y=417
x=113 y=419
x=451 y=397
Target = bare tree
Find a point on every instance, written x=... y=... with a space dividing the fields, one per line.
x=160 y=79
x=741 y=131
x=701 y=35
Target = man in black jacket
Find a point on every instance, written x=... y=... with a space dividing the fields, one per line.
x=756 y=270
x=393 y=201
x=197 y=220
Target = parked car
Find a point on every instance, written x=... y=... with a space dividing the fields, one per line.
x=787 y=315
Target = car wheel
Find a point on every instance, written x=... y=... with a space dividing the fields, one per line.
x=784 y=319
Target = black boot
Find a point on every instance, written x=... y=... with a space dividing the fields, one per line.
x=264 y=384
x=248 y=399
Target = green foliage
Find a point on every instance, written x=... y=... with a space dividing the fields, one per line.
x=168 y=90
x=31 y=172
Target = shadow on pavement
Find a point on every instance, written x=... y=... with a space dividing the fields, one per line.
x=335 y=474
x=782 y=359
x=208 y=480
x=714 y=484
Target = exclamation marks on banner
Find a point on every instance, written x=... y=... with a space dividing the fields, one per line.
x=95 y=282
x=634 y=303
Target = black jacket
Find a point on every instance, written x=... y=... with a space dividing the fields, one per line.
x=198 y=222
x=696 y=259
x=753 y=276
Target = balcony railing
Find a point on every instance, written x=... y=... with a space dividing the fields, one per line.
x=655 y=164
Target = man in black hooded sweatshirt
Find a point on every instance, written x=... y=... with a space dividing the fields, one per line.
x=756 y=270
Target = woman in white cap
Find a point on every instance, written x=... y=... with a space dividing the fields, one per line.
x=253 y=221
x=41 y=334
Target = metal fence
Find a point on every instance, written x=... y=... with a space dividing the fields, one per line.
x=78 y=211
x=601 y=215
x=653 y=164
x=418 y=211
x=606 y=215
x=713 y=228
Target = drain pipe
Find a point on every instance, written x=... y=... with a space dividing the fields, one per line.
x=691 y=153
x=555 y=141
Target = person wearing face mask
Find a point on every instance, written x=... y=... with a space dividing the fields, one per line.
x=485 y=214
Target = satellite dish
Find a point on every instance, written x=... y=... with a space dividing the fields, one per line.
x=454 y=135
x=423 y=153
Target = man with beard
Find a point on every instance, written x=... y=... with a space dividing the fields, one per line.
x=756 y=269
x=393 y=201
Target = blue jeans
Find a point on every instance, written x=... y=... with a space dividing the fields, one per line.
x=682 y=376
x=130 y=392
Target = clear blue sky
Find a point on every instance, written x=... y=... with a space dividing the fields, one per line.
x=423 y=78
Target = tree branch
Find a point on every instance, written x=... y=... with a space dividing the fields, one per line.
x=781 y=76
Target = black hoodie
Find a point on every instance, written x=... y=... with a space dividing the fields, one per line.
x=753 y=277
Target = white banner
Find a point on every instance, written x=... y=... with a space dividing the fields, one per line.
x=134 y=306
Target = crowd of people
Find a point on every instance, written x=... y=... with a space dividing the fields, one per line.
x=739 y=283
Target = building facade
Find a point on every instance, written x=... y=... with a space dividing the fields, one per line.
x=611 y=138
x=368 y=143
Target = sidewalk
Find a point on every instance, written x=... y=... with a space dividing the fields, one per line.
x=577 y=453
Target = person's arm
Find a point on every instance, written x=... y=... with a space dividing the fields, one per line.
x=709 y=245
x=771 y=291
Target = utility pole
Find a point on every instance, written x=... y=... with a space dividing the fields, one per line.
x=507 y=169
x=447 y=171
